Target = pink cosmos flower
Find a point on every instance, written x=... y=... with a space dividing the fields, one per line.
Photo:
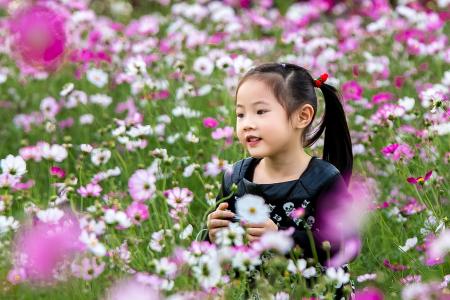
x=46 y=246
x=412 y=207
x=210 y=122
x=216 y=166
x=397 y=151
x=17 y=275
x=223 y=133
x=351 y=90
x=178 y=197
x=90 y=190
x=141 y=185
x=58 y=172
x=89 y=269
x=24 y=185
x=137 y=212
x=39 y=36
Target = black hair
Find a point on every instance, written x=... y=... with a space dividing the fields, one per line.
x=293 y=86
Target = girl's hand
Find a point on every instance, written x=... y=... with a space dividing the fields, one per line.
x=255 y=231
x=218 y=220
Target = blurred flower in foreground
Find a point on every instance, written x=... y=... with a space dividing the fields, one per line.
x=42 y=247
x=39 y=36
x=131 y=289
x=438 y=248
x=342 y=216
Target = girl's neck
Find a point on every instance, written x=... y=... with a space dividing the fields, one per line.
x=283 y=167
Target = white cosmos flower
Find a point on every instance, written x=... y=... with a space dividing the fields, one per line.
x=7 y=224
x=97 y=77
x=407 y=103
x=338 y=275
x=136 y=66
x=86 y=119
x=204 y=66
x=86 y=148
x=233 y=234
x=13 y=165
x=208 y=271
x=50 y=215
x=186 y=232
x=66 y=89
x=93 y=244
x=100 y=156
x=410 y=243
x=54 y=152
x=101 y=99
x=252 y=209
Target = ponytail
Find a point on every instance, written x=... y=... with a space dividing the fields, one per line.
x=337 y=148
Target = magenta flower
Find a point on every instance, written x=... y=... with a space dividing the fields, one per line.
x=382 y=97
x=58 y=172
x=394 y=267
x=351 y=90
x=210 y=122
x=137 y=212
x=178 y=197
x=369 y=294
x=46 y=246
x=420 y=180
x=398 y=151
x=141 y=185
x=39 y=36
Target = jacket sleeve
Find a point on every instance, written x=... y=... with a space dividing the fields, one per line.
x=327 y=199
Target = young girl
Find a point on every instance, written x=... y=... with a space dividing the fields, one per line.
x=275 y=107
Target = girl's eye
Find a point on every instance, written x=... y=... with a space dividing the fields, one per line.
x=261 y=110
x=239 y=115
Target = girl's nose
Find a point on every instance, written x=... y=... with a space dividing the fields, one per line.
x=248 y=124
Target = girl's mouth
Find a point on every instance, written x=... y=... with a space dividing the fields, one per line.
x=253 y=141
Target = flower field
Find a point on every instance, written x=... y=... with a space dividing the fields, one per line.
x=118 y=123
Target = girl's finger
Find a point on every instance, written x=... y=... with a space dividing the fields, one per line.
x=222 y=214
x=255 y=231
x=252 y=238
x=217 y=223
x=254 y=225
x=222 y=206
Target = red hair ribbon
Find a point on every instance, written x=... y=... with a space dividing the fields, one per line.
x=318 y=82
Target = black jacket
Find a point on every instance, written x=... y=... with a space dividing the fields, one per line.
x=311 y=189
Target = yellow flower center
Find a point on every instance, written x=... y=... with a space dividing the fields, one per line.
x=252 y=210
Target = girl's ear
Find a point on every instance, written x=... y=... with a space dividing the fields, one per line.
x=303 y=116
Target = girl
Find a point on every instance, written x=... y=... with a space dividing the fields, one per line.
x=275 y=107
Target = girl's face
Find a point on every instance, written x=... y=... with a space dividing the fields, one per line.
x=259 y=114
